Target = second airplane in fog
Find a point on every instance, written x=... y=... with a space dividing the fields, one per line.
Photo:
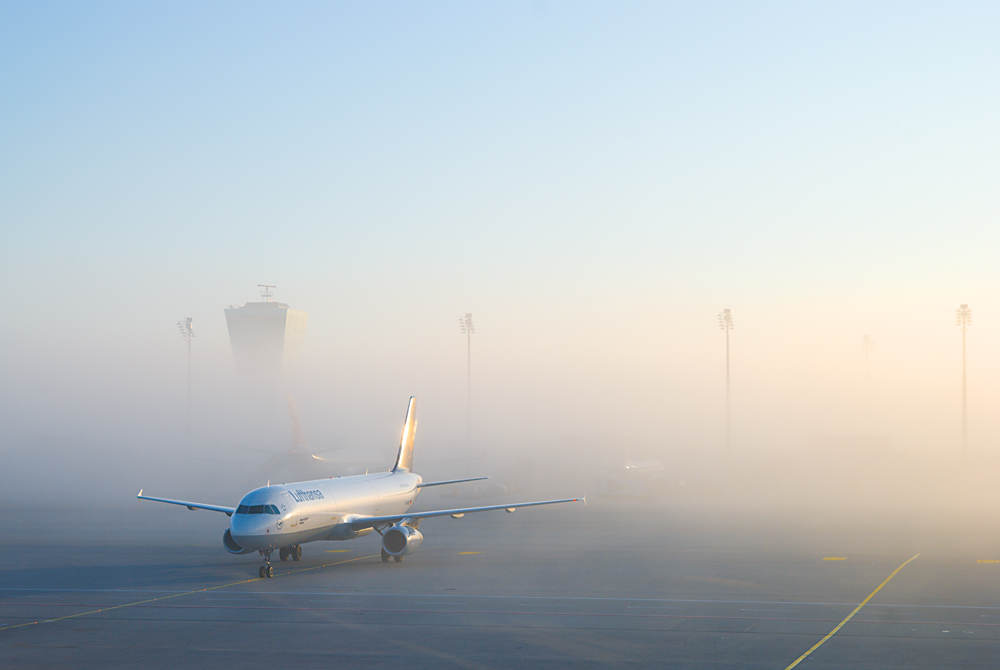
x=287 y=516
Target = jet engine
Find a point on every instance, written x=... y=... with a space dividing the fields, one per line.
x=401 y=540
x=230 y=544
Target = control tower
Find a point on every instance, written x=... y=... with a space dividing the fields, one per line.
x=266 y=336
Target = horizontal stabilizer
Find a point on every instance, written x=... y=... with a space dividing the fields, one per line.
x=450 y=481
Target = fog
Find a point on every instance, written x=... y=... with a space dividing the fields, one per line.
x=96 y=421
x=595 y=191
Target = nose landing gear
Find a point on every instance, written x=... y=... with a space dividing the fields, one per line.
x=266 y=570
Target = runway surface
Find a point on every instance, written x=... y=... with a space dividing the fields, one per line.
x=605 y=585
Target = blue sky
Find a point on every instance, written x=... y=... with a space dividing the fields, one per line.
x=594 y=180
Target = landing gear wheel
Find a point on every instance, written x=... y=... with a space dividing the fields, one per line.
x=398 y=559
x=296 y=552
x=283 y=554
x=385 y=556
x=266 y=570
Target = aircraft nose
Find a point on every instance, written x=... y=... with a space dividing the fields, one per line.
x=247 y=529
x=238 y=524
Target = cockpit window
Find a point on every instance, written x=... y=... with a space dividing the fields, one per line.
x=257 y=509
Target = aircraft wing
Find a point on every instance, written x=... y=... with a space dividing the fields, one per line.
x=228 y=511
x=372 y=521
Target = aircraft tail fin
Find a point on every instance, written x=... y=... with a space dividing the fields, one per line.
x=298 y=437
x=404 y=459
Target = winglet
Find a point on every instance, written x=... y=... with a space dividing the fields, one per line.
x=139 y=495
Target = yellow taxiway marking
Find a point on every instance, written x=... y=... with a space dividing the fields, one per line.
x=178 y=595
x=987 y=560
x=835 y=558
x=849 y=616
x=466 y=553
x=338 y=551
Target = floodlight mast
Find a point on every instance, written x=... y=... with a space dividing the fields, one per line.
x=963 y=319
x=867 y=344
x=186 y=328
x=468 y=329
x=726 y=324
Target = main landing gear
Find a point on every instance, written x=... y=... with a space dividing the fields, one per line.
x=293 y=553
x=386 y=555
x=266 y=570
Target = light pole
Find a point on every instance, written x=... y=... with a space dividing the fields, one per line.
x=963 y=319
x=867 y=345
x=468 y=329
x=187 y=332
x=726 y=324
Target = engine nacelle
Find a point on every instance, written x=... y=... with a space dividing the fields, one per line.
x=230 y=544
x=401 y=540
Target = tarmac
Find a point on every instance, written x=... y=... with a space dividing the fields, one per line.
x=629 y=584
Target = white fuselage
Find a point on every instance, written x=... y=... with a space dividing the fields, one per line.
x=284 y=515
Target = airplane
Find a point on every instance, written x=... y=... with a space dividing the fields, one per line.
x=643 y=480
x=286 y=516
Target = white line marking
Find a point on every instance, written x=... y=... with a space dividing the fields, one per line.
x=753 y=610
x=514 y=597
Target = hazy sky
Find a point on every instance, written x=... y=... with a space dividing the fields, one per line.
x=594 y=181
